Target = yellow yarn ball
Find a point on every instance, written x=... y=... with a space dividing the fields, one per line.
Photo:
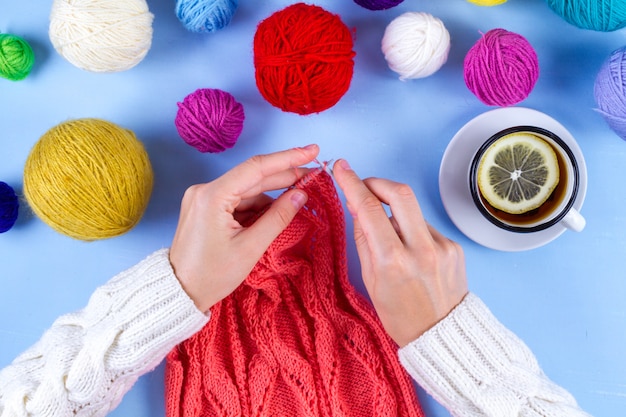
x=89 y=179
x=487 y=2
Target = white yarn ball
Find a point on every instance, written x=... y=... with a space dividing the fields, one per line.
x=101 y=35
x=416 y=45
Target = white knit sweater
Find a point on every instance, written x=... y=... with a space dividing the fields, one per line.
x=475 y=366
x=85 y=363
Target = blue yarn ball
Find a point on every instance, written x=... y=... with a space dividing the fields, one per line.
x=599 y=15
x=205 y=15
x=610 y=91
x=9 y=205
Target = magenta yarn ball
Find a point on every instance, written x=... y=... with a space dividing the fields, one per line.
x=501 y=69
x=210 y=120
x=378 y=4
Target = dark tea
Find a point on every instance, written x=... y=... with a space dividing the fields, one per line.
x=557 y=204
x=547 y=208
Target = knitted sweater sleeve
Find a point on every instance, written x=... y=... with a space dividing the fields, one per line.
x=474 y=366
x=85 y=363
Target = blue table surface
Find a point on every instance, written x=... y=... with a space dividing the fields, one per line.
x=566 y=299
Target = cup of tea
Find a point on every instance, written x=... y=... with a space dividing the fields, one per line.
x=525 y=179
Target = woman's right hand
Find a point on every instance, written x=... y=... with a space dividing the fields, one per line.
x=414 y=275
x=212 y=251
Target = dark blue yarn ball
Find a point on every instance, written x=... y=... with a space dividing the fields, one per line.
x=9 y=206
x=378 y=4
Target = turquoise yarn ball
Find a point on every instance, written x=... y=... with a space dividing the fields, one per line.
x=205 y=15
x=599 y=15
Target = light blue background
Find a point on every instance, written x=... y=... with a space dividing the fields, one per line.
x=566 y=299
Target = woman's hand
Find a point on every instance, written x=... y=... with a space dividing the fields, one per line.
x=414 y=275
x=212 y=253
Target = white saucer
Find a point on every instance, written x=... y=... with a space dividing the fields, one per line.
x=454 y=178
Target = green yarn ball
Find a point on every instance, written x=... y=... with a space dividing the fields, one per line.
x=16 y=57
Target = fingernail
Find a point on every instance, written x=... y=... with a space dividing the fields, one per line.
x=309 y=147
x=344 y=165
x=298 y=198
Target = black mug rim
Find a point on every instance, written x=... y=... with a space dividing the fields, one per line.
x=474 y=186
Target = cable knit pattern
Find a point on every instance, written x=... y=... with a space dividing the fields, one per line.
x=474 y=366
x=85 y=363
x=296 y=338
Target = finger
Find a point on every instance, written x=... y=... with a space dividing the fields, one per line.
x=278 y=181
x=452 y=250
x=249 y=209
x=448 y=246
x=438 y=237
x=256 y=203
x=245 y=218
x=258 y=237
x=365 y=256
x=249 y=176
x=404 y=207
x=367 y=209
x=396 y=226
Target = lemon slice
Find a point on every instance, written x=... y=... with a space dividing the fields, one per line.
x=518 y=172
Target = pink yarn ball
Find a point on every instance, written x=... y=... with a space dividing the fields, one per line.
x=210 y=120
x=501 y=69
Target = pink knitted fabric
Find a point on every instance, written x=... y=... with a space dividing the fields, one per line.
x=296 y=338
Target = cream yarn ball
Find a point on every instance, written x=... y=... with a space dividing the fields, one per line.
x=416 y=45
x=101 y=35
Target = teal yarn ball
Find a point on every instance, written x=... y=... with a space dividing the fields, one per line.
x=205 y=16
x=16 y=57
x=598 y=15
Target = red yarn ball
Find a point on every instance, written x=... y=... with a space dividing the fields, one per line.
x=303 y=59
x=210 y=120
